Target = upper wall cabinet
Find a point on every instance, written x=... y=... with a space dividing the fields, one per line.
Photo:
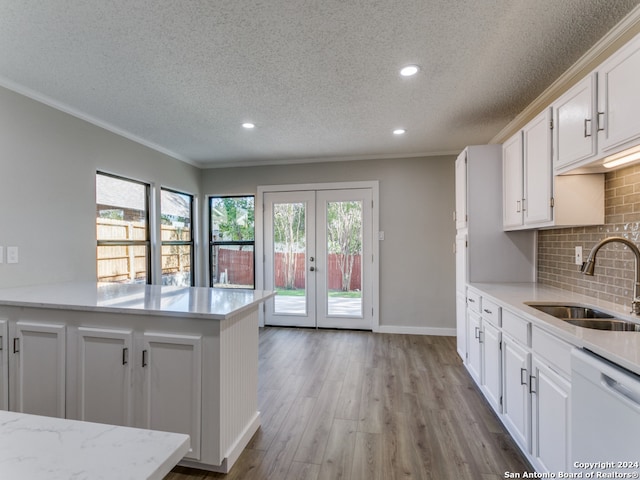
x=574 y=133
x=619 y=99
x=598 y=117
x=533 y=197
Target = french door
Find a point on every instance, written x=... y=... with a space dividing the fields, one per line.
x=318 y=257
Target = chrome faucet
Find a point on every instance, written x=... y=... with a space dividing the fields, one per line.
x=588 y=266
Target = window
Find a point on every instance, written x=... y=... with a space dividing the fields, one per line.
x=176 y=233
x=122 y=230
x=232 y=241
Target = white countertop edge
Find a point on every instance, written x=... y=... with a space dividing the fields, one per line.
x=622 y=348
x=82 y=296
x=50 y=448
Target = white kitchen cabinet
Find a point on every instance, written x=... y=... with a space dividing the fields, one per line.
x=4 y=364
x=474 y=354
x=172 y=386
x=618 y=99
x=492 y=364
x=461 y=190
x=461 y=325
x=516 y=400
x=538 y=186
x=575 y=124
x=513 y=175
x=103 y=363
x=551 y=414
x=38 y=371
x=546 y=200
x=484 y=252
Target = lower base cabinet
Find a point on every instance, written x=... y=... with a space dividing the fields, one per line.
x=516 y=401
x=551 y=403
x=524 y=373
x=172 y=386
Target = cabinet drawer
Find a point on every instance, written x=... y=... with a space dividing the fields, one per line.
x=556 y=352
x=473 y=301
x=491 y=312
x=518 y=328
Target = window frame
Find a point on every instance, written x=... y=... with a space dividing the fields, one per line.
x=131 y=243
x=190 y=242
x=213 y=244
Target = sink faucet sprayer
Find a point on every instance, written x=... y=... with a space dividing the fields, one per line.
x=588 y=266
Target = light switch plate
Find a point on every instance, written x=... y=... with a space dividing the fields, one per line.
x=12 y=254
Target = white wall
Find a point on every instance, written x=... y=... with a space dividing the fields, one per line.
x=417 y=268
x=48 y=161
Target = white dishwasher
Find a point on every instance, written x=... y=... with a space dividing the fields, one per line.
x=605 y=417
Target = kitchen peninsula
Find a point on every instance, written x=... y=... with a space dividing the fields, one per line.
x=166 y=358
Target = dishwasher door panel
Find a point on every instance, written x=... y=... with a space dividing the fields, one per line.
x=605 y=415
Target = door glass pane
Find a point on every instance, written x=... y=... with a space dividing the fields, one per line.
x=344 y=258
x=289 y=258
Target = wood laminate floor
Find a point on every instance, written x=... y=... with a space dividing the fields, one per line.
x=363 y=406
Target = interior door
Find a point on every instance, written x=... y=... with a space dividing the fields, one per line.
x=318 y=257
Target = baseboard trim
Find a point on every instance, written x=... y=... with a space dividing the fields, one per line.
x=436 y=331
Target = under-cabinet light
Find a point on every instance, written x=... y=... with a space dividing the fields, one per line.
x=622 y=158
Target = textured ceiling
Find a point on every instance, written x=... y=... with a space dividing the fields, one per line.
x=318 y=78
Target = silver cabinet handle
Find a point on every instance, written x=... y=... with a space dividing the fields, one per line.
x=125 y=356
x=145 y=360
x=471 y=300
x=523 y=376
x=600 y=124
x=587 y=120
x=486 y=310
x=16 y=345
x=518 y=206
x=531 y=380
x=477 y=333
x=1 y=342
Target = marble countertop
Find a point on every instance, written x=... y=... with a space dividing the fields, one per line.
x=34 y=447
x=210 y=303
x=619 y=347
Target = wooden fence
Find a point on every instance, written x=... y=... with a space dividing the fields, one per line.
x=236 y=266
x=125 y=263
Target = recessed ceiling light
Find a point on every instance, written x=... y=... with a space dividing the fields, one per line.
x=399 y=131
x=248 y=125
x=409 y=70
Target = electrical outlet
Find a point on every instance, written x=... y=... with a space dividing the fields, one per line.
x=578 y=255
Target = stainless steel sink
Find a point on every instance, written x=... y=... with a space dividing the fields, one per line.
x=571 y=311
x=614 y=324
x=587 y=317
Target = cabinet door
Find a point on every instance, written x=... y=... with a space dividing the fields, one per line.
x=38 y=374
x=492 y=365
x=512 y=177
x=537 y=170
x=172 y=386
x=461 y=325
x=461 y=190
x=4 y=365
x=516 y=404
x=474 y=356
x=461 y=264
x=104 y=376
x=618 y=98
x=551 y=398
x=574 y=126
